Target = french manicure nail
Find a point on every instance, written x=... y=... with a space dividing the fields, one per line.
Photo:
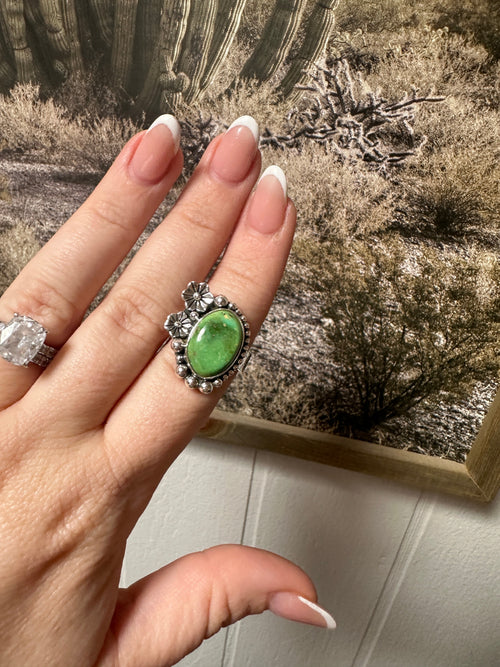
x=236 y=151
x=154 y=154
x=297 y=608
x=268 y=205
x=173 y=125
x=247 y=121
x=278 y=173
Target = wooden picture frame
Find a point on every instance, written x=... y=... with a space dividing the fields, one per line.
x=477 y=478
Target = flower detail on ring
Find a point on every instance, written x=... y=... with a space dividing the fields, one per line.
x=178 y=325
x=198 y=297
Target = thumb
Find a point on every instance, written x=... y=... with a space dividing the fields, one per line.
x=166 y=615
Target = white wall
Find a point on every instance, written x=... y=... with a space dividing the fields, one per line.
x=412 y=579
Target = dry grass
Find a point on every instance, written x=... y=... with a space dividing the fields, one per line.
x=50 y=133
x=5 y=188
x=455 y=187
x=349 y=202
x=17 y=247
x=432 y=60
x=478 y=20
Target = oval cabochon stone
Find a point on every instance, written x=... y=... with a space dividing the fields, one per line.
x=214 y=343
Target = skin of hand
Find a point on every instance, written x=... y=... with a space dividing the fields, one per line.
x=85 y=442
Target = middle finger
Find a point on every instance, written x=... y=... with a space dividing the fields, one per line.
x=115 y=343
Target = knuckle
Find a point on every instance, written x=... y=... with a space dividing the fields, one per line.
x=106 y=212
x=193 y=215
x=240 y=279
x=47 y=304
x=133 y=313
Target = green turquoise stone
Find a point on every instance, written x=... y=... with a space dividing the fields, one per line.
x=214 y=343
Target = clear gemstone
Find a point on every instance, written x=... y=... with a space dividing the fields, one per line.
x=21 y=340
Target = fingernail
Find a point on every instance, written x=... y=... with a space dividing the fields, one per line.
x=236 y=151
x=297 y=608
x=159 y=145
x=268 y=204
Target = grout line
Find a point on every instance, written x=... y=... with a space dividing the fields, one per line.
x=234 y=631
x=412 y=536
x=247 y=508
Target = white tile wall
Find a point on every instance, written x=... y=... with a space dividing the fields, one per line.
x=413 y=580
x=201 y=502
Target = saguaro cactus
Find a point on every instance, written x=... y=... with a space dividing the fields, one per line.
x=15 y=25
x=162 y=84
x=103 y=12
x=319 y=28
x=196 y=45
x=155 y=52
x=226 y=27
x=123 y=42
x=276 y=40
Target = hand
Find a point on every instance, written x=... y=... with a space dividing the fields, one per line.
x=85 y=442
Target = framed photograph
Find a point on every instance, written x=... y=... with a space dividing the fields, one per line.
x=380 y=353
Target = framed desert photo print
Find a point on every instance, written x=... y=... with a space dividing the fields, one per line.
x=381 y=350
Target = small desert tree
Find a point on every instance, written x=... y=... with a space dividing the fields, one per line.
x=400 y=329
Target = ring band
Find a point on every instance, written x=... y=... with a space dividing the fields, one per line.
x=210 y=338
x=22 y=340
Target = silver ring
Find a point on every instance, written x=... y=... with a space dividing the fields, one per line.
x=22 y=340
x=210 y=338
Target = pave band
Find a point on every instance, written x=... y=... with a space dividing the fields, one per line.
x=210 y=338
x=22 y=341
x=44 y=356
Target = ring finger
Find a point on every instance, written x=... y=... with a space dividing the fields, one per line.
x=159 y=402
x=60 y=282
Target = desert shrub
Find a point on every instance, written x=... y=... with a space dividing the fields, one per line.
x=402 y=327
x=457 y=124
x=444 y=205
x=455 y=187
x=334 y=203
x=85 y=95
x=29 y=124
x=427 y=59
x=258 y=100
x=4 y=188
x=479 y=18
x=17 y=246
x=213 y=114
x=375 y=15
x=44 y=129
x=457 y=196
x=105 y=137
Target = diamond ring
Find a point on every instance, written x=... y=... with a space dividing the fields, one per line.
x=22 y=340
x=210 y=338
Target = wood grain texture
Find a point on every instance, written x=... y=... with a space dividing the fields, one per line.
x=426 y=472
x=483 y=462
